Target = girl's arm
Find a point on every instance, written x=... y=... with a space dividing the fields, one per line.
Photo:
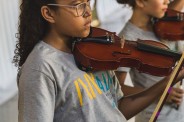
x=133 y=104
x=36 y=97
x=127 y=90
x=175 y=96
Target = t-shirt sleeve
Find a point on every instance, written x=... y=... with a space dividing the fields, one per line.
x=36 y=97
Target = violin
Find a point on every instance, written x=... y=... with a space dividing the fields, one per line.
x=101 y=50
x=171 y=26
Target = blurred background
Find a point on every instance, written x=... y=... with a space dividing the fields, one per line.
x=8 y=87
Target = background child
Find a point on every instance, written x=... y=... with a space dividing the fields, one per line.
x=140 y=27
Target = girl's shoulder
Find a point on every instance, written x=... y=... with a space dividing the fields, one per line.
x=133 y=33
x=45 y=57
x=130 y=32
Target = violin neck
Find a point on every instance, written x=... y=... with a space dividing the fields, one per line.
x=158 y=50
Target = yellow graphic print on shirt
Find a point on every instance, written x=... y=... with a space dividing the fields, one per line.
x=90 y=81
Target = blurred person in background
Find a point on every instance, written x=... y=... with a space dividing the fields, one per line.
x=140 y=27
x=110 y=15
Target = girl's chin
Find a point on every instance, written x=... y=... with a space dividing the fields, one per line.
x=85 y=33
x=161 y=15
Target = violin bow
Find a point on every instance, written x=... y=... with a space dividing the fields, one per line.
x=167 y=90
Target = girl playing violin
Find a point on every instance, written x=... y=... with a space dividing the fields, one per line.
x=51 y=87
x=140 y=27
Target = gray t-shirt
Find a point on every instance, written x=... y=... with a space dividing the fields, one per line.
x=52 y=88
x=168 y=113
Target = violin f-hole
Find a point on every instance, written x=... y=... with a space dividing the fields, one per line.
x=128 y=52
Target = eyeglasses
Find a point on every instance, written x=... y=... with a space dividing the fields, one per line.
x=80 y=8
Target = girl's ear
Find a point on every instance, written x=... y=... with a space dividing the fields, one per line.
x=47 y=14
x=140 y=3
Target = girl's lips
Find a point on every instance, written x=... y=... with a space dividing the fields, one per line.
x=165 y=9
x=87 y=23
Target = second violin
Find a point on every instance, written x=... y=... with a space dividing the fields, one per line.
x=170 y=27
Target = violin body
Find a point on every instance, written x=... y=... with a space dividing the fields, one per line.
x=93 y=56
x=170 y=27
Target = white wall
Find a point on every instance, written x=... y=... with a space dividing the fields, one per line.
x=8 y=28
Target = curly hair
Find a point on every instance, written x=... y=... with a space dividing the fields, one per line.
x=131 y=3
x=32 y=28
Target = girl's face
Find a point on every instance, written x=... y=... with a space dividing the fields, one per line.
x=155 y=8
x=73 y=21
